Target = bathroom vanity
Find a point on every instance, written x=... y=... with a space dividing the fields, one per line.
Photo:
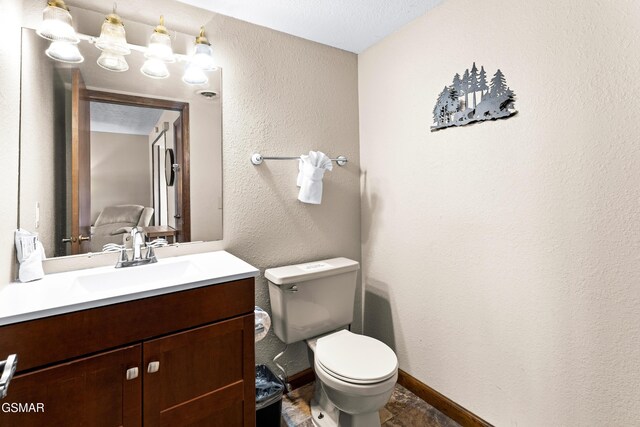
x=176 y=349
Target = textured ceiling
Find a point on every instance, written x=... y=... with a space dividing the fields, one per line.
x=352 y=25
x=115 y=118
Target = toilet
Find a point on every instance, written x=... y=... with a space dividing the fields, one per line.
x=355 y=374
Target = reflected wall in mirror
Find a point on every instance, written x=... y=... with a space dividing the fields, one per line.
x=93 y=146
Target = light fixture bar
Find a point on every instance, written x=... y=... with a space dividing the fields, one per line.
x=92 y=39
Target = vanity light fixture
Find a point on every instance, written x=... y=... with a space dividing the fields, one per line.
x=158 y=53
x=160 y=44
x=56 y=23
x=202 y=56
x=57 y=27
x=201 y=60
x=113 y=44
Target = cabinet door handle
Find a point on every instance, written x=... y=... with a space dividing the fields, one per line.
x=8 y=368
x=153 y=367
x=132 y=373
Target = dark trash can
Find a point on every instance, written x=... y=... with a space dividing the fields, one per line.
x=269 y=390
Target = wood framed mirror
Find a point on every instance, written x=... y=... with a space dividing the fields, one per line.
x=49 y=163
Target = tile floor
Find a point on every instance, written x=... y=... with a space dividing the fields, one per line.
x=404 y=409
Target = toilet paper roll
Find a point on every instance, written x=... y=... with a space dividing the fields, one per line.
x=262 y=323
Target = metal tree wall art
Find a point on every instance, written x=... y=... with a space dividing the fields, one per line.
x=469 y=99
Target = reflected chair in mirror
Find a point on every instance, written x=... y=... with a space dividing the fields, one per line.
x=115 y=222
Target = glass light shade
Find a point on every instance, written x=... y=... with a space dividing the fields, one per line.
x=113 y=37
x=193 y=75
x=203 y=57
x=160 y=48
x=155 y=68
x=56 y=25
x=113 y=62
x=64 y=52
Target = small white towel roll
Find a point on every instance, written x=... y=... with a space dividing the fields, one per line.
x=311 y=169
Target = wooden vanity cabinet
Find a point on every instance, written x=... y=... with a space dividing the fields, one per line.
x=86 y=392
x=181 y=359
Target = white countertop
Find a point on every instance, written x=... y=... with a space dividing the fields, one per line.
x=96 y=287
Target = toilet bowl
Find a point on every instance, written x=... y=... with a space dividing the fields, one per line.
x=355 y=376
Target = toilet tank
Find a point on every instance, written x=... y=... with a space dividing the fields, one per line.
x=311 y=299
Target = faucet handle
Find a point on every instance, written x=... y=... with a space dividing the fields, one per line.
x=112 y=247
x=123 y=255
x=157 y=243
x=150 y=253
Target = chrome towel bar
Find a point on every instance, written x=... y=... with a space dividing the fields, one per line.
x=258 y=158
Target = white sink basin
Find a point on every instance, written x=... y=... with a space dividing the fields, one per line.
x=82 y=289
x=132 y=277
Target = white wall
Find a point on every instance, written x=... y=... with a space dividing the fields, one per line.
x=501 y=259
x=10 y=125
x=282 y=96
x=42 y=160
x=120 y=171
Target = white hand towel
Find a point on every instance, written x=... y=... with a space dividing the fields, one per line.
x=31 y=267
x=311 y=170
x=30 y=254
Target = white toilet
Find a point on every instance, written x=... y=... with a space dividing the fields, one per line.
x=355 y=374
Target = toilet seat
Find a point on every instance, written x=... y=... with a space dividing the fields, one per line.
x=355 y=359
x=350 y=388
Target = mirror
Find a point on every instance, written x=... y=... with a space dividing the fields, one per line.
x=103 y=151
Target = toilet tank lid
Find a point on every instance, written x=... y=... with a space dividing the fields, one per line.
x=310 y=270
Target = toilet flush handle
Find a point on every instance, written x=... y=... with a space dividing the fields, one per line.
x=294 y=288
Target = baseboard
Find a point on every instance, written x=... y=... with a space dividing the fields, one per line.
x=442 y=403
x=301 y=378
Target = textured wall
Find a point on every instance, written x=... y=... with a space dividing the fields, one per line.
x=10 y=125
x=285 y=96
x=282 y=96
x=501 y=259
x=120 y=171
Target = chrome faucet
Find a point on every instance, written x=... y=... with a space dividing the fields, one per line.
x=137 y=243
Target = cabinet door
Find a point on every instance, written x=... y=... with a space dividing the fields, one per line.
x=93 y=391
x=201 y=377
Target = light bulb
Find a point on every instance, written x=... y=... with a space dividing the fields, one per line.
x=113 y=62
x=64 y=52
x=112 y=36
x=160 y=44
x=56 y=23
x=193 y=75
x=203 y=57
x=155 y=68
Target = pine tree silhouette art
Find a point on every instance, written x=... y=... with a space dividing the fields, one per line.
x=497 y=100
